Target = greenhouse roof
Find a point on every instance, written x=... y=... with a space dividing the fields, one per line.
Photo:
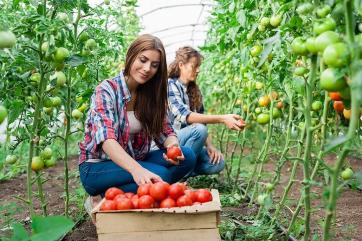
x=176 y=23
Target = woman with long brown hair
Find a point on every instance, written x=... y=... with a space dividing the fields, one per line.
x=186 y=111
x=126 y=113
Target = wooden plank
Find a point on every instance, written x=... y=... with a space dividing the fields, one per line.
x=175 y=235
x=133 y=222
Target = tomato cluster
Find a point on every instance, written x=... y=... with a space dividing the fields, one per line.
x=156 y=195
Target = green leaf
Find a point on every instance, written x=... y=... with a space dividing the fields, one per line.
x=17 y=107
x=241 y=17
x=356 y=85
x=50 y=228
x=335 y=143
x=76 y=60
x=19 y=234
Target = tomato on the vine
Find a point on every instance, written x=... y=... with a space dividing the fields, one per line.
x=331 y=80
x=338 y=106
x=256 y=50
x=336 y=55
x=323 y=25
x=325 y=39
x=334 y=96
x=7 y=39
x=323 y=11
x=299 y=47
x=263 y=118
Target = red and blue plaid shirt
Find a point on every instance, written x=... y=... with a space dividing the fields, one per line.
x=107 y=119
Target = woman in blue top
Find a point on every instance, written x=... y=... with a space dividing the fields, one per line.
x=186 y=112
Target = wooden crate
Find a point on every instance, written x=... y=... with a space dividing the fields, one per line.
x=199 y=222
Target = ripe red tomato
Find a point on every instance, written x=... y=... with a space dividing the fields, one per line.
x=134 y=201
x=146 y=201
x=334 y=96
x=173 y=152
x=143 y=189
x=176 y=190
x=129 y=194
x=203 y=195
x=108 y=205
x=338 y=106
x=184 y=200
x=112 y=192
x=124 y=204
x=168 y=203
x=159 y=190
x=192 y=194
x=119 y=197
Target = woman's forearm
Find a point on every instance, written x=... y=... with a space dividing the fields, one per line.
x=205 y=119
x=171 y=141
x=117 y=154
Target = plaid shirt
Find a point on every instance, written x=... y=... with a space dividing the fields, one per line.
x=107 y=119
x=179 y=104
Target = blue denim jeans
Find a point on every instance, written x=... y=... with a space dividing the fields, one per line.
x=194 y=136
x=98 y=177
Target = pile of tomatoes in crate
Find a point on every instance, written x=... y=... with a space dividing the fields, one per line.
x=155 y=195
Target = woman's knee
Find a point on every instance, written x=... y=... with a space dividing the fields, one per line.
x=190 y=158
x=200 y=130
x=164 y=173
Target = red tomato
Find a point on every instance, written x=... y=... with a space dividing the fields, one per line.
x=124 y=204
x=338 y=106
x=129 y=194
x=192 y=194
x=143 y=189
x=168 y=203
x=134 y=200
x=203 y=195
x=184 y=200
x=112 y=192
x=176 y=190
x=334 y=95
x=119 y=197
x=146 y=201
x=159 y=190
x=108 y=205
x=173 y=152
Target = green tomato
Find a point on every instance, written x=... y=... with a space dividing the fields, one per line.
x=325 y=39
x=263 y=118
x=317 y=105
x=56 y=101
x=276 y=113
x=300 y=71
x=265 y=21
x=305 y=8
x=257 y=110
x=299 y=85
x=261 y=28
x=261 y=198
x=310 y=43
x=47 y=110
x=3 y=113
x=107 y=2
x=275 y=20
x=324 y=25
x=83 y=36
x=301 y=125
x=11 y=159
x=90 y=44
x=299 y=47
x=49 y=162
x=46 y=153
x=60 y=78
x=256 y=50
x=45 y=47
x=7 y=39
x=63 y=17
x=336 y=55
x=330 y=80
x=61 y=54
x=77 y=114
x=48 y=102
x=35 y=78
x=324 y=11
x=347 y=174
x=37 y=163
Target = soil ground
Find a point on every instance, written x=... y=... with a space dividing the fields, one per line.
x=348 y=215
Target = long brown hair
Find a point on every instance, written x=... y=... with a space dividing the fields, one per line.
x=151 y=101
x=184 y=55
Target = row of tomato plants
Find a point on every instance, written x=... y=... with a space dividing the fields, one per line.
x=293 y=70
x=52 y=55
